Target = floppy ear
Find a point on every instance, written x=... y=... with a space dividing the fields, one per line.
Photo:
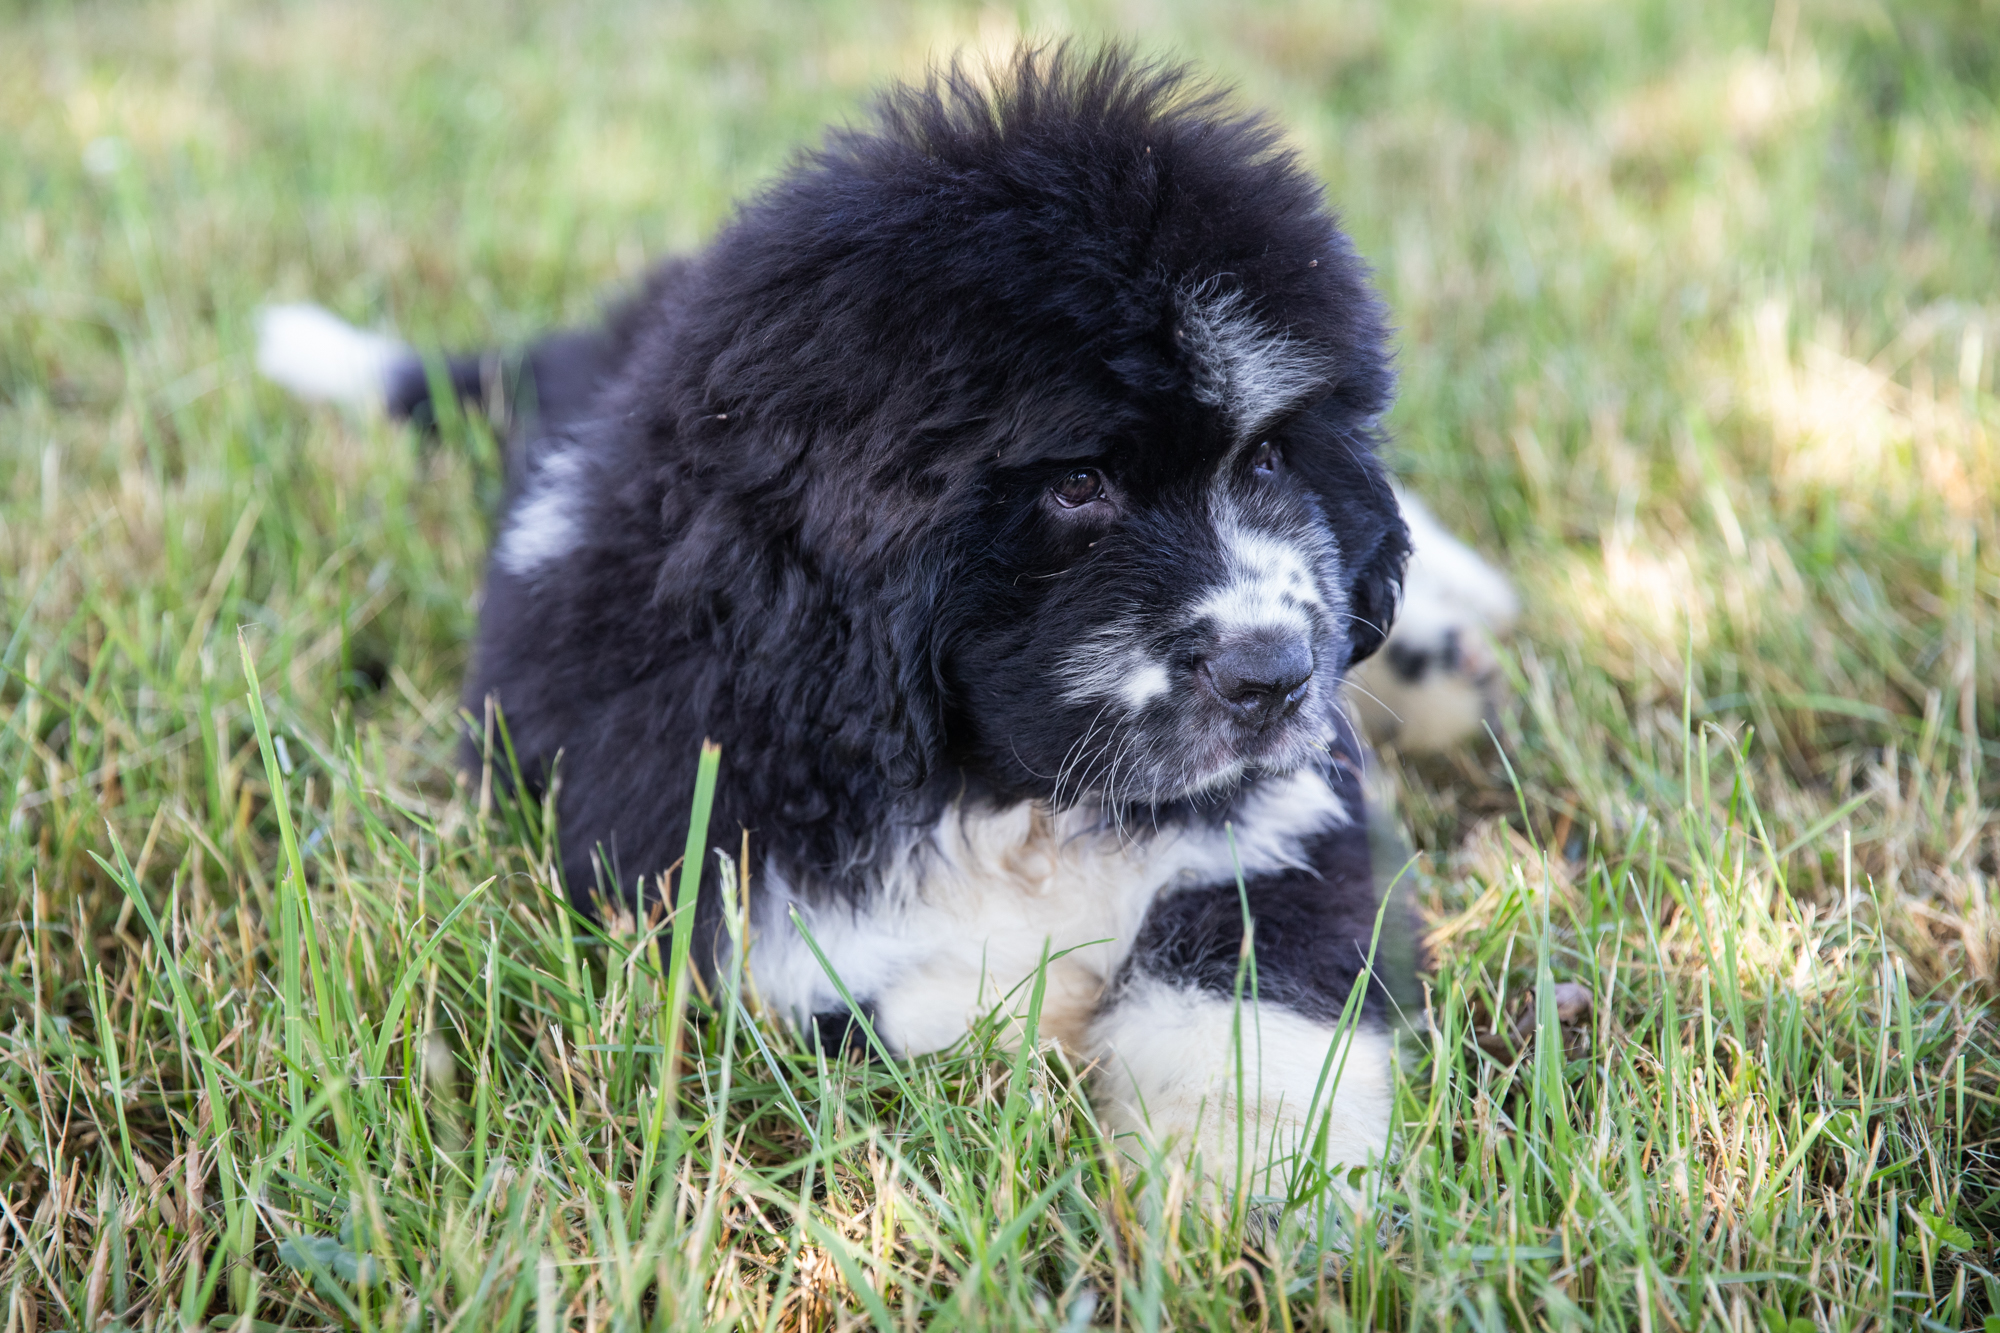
x=1360 y=506
x=1376 y=589
x=1375 y=539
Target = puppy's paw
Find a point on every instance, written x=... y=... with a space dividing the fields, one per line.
x=1239 y=1092
x=1437 y=680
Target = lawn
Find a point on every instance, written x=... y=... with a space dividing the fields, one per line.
x=1699 y=311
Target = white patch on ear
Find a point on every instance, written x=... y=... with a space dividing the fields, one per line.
x=543 y=525
x=1241 y=367
x=320 y=357
x=1268 y=582
x=1110 y=664
x=1243 y=1087
x=1433 y=684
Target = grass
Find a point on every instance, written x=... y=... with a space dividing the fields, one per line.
x=1699 y=306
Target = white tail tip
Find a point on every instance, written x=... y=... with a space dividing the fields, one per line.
x=321 y=357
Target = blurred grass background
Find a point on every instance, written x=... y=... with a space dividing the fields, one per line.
x=1699 y=307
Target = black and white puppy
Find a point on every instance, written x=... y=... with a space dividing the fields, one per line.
x=999 y=489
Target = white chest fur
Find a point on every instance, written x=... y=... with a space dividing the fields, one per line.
x=966 y=914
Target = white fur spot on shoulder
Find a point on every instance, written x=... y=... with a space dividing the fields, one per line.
x=544 y=524
x=1245 y=369
x=1243 y=1087
x=321 y=357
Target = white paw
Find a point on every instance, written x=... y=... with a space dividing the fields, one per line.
x=1436 y=681
x=1174 y=1073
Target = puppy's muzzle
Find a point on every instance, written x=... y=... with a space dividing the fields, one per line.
x=1260 y=677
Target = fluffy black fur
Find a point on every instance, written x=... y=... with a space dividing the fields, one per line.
x=809 y=490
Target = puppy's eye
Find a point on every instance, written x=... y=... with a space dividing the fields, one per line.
x=1078 y=488
x=1264 y=460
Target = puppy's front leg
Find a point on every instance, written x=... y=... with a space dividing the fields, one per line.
x=1239 y=1069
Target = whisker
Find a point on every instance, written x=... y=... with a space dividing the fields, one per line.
x=1355 y=685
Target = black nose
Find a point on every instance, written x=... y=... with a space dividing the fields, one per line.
x=1261 y=676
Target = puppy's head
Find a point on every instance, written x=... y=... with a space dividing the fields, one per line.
x=1170 y=613
x=1077 y=383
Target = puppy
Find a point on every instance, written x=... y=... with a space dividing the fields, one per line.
x=999 y=488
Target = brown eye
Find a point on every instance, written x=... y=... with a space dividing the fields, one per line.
x=1264 y=460
x=1079 y=488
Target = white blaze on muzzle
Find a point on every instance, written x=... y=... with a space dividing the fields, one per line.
x=1270 y=584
